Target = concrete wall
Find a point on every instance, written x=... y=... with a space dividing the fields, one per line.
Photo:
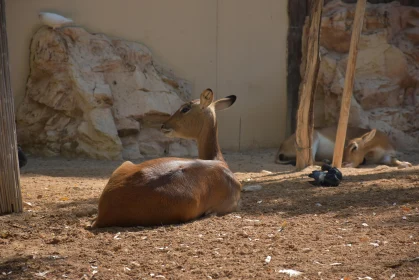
x=232 y=46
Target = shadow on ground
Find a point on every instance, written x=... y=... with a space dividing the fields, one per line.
x=59 y=167
x=26 y=267
x=296 y=196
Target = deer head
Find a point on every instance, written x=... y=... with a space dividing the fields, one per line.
x=197 y=120
x=286 y=150
x=354 y=152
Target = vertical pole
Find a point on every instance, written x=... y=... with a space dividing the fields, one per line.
x=349 y=84
x=10 y=195
x=305 y=115
x=297 y=12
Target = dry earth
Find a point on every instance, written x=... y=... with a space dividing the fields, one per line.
x=366 y=227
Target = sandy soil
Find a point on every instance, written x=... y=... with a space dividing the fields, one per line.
x=366 y=227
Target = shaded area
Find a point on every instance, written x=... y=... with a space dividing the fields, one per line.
x=59 y=167
x=296 y=196
x=27 y=267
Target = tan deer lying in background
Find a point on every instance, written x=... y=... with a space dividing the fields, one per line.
x=174 y=190
x=372 y=146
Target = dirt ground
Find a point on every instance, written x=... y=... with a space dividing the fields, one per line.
x=367 y=228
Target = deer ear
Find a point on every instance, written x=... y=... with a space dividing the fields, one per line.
x=207 y=96
x=369 y=135
x=353 y=147
x=224 y=103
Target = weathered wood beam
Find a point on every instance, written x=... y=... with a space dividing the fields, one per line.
x=349 y=83
x=305 y=113
x=10 y=194
x=297 y=12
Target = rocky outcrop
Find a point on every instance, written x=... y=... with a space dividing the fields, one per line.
x=99 y=97
x=386 y=89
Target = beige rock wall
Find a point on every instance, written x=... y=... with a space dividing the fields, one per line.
x=386 y=89
x=96 y=96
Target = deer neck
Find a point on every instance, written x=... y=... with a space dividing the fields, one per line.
x=208 y=147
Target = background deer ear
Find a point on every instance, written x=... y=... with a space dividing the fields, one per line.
x=207 y=96
x=224 y=103
x=353 y=147
x=369 y=135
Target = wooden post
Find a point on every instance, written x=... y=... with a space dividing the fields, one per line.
x=349 y=84
x=297 y=12
x=10 y=195
x=305 y=122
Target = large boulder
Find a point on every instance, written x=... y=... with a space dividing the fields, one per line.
x=100 y=97
x=386 y=88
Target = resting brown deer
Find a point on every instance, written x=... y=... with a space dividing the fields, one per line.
x=175 y=190
x=372 y=146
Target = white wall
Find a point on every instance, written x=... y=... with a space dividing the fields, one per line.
x=232 y=46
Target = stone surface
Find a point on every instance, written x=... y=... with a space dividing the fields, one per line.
x=95 y=96
x=386 y=88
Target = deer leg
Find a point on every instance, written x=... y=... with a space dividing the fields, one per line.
x=392 y=160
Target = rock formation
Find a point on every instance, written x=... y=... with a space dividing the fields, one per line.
x=99 y=97
x=386 y=89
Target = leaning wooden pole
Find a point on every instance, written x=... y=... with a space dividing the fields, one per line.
x=10 y=195
x=305 y=116
x=297 y=13
x=349 y=83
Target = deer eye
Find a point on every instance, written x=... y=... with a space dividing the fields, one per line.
x=185 y=109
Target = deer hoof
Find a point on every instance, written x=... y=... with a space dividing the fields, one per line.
x=404 y=164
